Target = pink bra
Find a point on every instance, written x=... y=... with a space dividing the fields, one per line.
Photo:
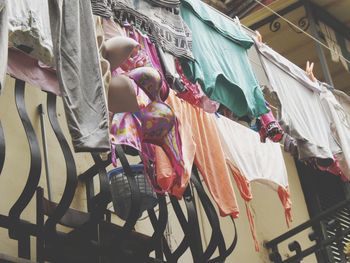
x=155 y=124
x=146 y=56
x=160 y=127
x=148 y=79
x=157 y=120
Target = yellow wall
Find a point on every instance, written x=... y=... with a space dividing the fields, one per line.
x=269 y=219
x=15 y=172
x=266 y=206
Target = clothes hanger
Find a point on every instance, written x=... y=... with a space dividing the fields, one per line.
x=258 y=37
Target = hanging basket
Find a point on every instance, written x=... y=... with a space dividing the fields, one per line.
x=121 y=191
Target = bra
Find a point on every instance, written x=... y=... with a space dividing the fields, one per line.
x=148 y=79
x=155 y=124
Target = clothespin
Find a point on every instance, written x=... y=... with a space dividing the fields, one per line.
x=238 y=22
x=309 y=71
x=258 y=36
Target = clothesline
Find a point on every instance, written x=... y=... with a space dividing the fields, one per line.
x=301 y=30
x=286 y=20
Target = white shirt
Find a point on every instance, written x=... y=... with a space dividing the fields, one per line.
x=339 y=120
x=257 y=161
x=302 y=114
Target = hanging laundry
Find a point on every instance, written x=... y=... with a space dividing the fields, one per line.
x=118 y=51
x=194 y=93
x=256 y=161
x=103 y=8
x=290 y=145
x=148 y=53
x=165 y=25
x=3 y=41
x=29 y=28
x=155 y=123
x=79 y=74
x=28 y=69
x=270 y=127
x=221 y=63
x=302 y=115
x=166 y=3
x=339 y=119
x=255 y=61
x=200 y=146
x=167 y=61
x=126 y=129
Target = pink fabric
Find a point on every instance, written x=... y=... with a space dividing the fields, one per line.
x=194 y=93
x=148 y=79
x=125 y=130
x=334 y=168
x=126 y=127
x=157 y=119
x=270 y=127
x=156 y=123
x=139 y=59
x=151 y=51
x=28 y=69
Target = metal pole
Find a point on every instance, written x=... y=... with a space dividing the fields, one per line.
x=320 y=51
x=46 y=157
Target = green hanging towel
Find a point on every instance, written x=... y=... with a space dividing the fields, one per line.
x=221 y=62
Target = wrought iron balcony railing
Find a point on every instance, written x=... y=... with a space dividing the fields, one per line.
x=93 y=237
x=329 y=231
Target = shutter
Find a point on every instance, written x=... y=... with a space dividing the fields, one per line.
x=322 y=191
x=331 y=192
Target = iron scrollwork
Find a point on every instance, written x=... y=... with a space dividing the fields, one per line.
x=275 y=25
x=303 y=24
x=2 y=148
x=35 y=160
x=71 y=173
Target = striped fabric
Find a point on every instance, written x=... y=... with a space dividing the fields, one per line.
x=102 y=8
x=163 y=25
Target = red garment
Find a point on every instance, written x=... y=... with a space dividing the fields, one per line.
x=194 y=93
x=270 y=127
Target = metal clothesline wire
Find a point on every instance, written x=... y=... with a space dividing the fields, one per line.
x=300 y=29
x=283 y=18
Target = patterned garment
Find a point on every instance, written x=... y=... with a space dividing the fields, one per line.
x=194 y=93
x=164 y=25
x=154 y=124
x=270 y=127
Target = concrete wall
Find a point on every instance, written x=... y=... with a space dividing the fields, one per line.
x=269 y=218
x=266 y=206
x=15 y=172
